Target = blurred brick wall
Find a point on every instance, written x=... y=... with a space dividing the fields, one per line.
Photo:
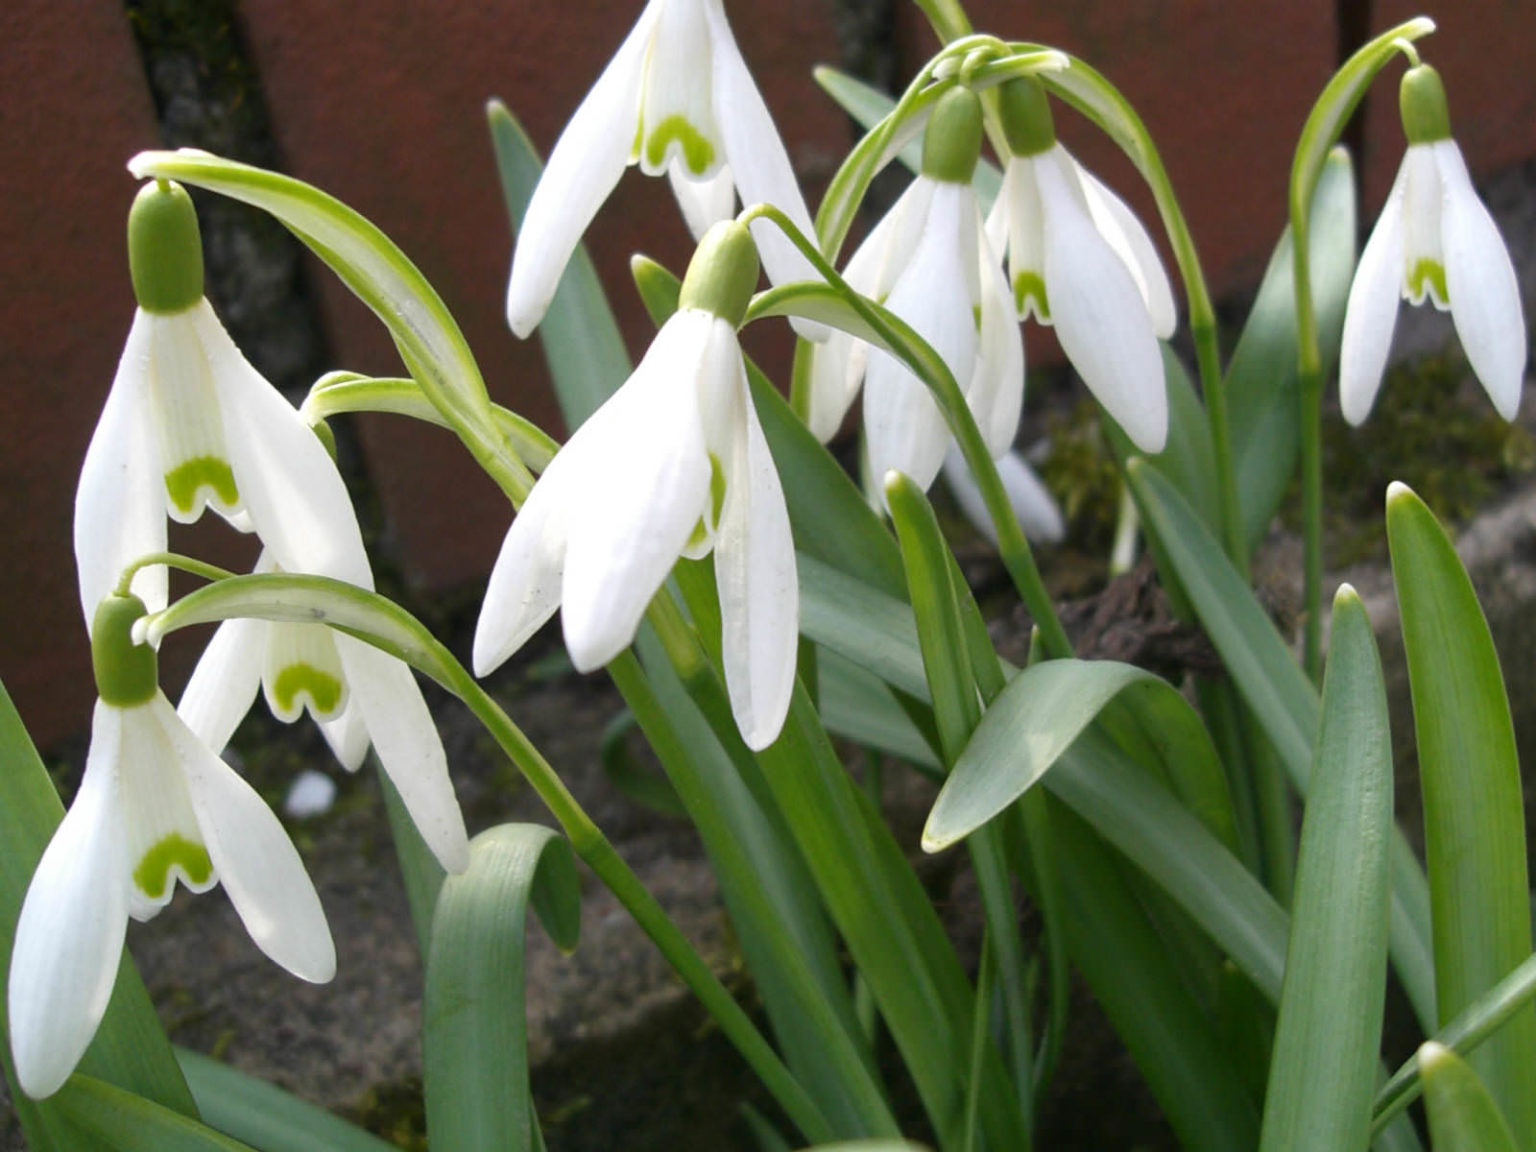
x=382 y=104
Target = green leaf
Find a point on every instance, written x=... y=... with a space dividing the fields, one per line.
x=1323 y=1072
x=582 y=344
x=263 y=1115
x=130 y=1048
x=474 y=1030
x=1280 y=697
x=130 y=1123
x=857 y=705
x=636 y=780
x=1463 y=1116
x=1039 y=715
x=875 y=630
x=1262 y=390
x=1474 y=824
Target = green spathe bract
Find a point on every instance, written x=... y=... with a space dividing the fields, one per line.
x=722 y=273
x=165 y=249
x=126 y=673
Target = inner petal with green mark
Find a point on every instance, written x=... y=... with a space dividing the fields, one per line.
x=153 y=876
x=1029 y=294
x=699 y=541
x=298 y=681
x=698 y=152
x=1427 y=276
x=302 y=669
x=189 y=482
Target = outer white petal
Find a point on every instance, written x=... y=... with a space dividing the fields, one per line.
x=69 y=937
x=1480 y=279
x=1125 y=234
x=756 y=154
x=348 y=737
x=287 y=480
x=256 y=862
x=120 y=502
x=995 y=392
x=585 y=164
x=1033 y=505
x=409 y=748
x=1099 y=314
x=759 y=595
x=903 y=424
x=1371 y=312
x=835 y=375
x=646 y=487
x=703 y=202
x=224 y=683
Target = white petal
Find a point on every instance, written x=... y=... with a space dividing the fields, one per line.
x=224 y=683
x=1100 y=317
x=995 y=391
x=1371 y=312
x=677 y=114
x=256 y=861
x=69 y=937
x=646 y=488
x=756 y=154
x=585 y=164
x=1020 y=199
x=288 y=481
x=1125 y=234
x=759 y=596
x=835 y=376
x=1480 y=279
x=300 y=671
x=120 y=502
x=704 y=202
x=1032 y=503
x=348 y=737
x=904 y=425
x=408 y=746
x=1423 y=204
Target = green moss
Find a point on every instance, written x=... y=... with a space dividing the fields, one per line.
x=1081 y=473
x=397 y=1112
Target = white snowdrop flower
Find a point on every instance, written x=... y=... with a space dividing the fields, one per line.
x=1079 y=259
x=677 y=99
x=1435 y=240
x=1033 y=505
x=674 y=464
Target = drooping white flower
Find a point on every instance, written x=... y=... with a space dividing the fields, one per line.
x=929 y=262
x=677 y=99
x=355 y=692
x=1033 y=505
x=675 y=463
x=190 y=424
x=155 y=806
x=1079 y=259
x=1435 y=239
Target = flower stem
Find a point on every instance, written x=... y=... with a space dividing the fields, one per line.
x=170 y=560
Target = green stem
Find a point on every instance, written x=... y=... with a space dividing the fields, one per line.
x=1311 y=382
x=1213 y=386
x=171 y=560
x=947 y=17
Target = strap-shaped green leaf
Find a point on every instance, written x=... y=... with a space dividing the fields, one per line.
x=1474 y=823
x=1463 y=1116
x=1322 y=1075
x=474 y=1030
x=130 y=1123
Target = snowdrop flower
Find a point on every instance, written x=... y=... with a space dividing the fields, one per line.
x=1434 y=239
x=676 y=98
x=190 y=424
x=674 y=464
x=929 y=262
x=1079 y=259
x=155 y=806
x=356 y=694
x=1033 y=505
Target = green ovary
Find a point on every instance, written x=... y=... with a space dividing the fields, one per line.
x=190 y=477
x=1428 y=275
x=152 y=876
x=1027 y=285
x=323 y=689
x=698 y=152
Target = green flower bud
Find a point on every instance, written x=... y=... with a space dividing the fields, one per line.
x=722 y=273
x=165 y=251
x=1026 y=115
x=1426 y=118
x=126 y=673
x=952 y=140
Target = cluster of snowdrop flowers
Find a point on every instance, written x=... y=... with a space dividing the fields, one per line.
x=676 y=98
x=674 y=464
x=190 y=424
x=1435 y=239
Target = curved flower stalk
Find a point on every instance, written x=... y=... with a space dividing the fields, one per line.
x=674 y=464
x=1079 y=259
x=1435 y=240
x=356 y=693
x=155 y=806
x=189 y=424
x=929 y=262
x=677 y=99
